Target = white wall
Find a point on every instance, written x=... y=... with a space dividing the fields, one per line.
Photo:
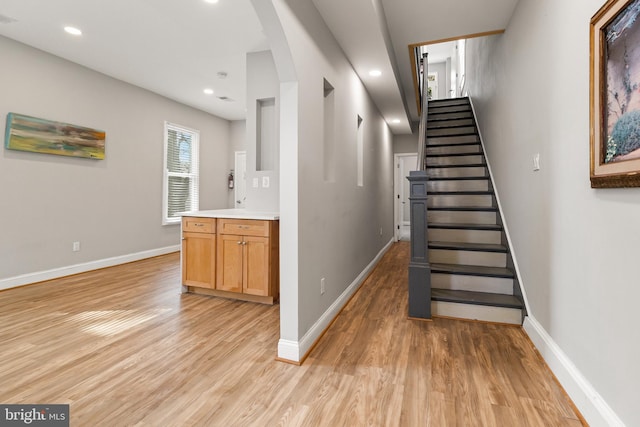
x=441 y=69
x=112 y=206
x=337 y=223
x=577 y=247
x=262 y=83
x=237 y=142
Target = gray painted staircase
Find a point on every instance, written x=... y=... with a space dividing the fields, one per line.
x=471 y=266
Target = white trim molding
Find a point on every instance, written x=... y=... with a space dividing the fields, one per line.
x=41 y=276
x=588 y=401
x=295 y=351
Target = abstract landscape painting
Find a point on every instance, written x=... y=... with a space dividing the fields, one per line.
x=26 y=133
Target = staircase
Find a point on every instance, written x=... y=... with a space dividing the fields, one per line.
x=471 y=266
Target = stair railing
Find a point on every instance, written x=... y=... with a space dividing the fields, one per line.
x=424 y=108
x=419 y=268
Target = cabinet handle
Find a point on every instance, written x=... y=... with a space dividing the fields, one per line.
x=239 y=243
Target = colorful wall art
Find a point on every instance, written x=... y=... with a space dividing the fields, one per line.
x=27 y=133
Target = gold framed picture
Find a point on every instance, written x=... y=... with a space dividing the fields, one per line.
x=615 y=95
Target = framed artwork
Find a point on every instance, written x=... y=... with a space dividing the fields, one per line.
x=615 y=95
x=27 y=133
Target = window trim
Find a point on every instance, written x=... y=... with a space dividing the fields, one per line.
x=195 y=176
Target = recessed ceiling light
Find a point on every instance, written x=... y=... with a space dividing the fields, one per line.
x=73 y=30
x=211 y=1
x=396 y=121
x=208 y=91
x=375 y=73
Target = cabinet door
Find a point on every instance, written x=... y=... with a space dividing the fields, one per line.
x=198 y=259
x=229 y=263
x=256 y=266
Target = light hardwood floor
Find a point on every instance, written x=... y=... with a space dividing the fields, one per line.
x=123 y=347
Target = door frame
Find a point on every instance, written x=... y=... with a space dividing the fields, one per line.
x=397 y=185
x=237 y=176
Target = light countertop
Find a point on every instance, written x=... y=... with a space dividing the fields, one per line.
x=235 y=213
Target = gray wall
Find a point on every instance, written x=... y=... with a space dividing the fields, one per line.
x=262 y=83
x=405 y=143
x=576 y=247
x=112 y=206
x=328 y=229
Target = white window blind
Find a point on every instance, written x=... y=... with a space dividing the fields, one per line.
x=181 y=172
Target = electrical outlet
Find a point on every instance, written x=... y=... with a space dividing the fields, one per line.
x=76 y=246
x=265 y=182
x=322 y=286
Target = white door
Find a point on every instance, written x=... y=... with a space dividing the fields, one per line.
x=240 y=178
x=405 y=163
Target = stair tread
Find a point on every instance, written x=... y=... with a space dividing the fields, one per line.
x=471 y=270
x=465 y=246
x=463 y=208
x=463 y=226
x=450 y=135
x=468 y=125
x=460 y=144
x=477 y=298
x=471 y=153
x=461 y=193
x=459 y=178
x=470 y=165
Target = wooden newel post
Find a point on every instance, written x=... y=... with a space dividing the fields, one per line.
x=419 y=268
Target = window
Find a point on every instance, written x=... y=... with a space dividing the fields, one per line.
x=181 y=172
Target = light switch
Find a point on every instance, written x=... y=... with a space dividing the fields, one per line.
x=536 y=162
x=255 y=183
x=265 y=182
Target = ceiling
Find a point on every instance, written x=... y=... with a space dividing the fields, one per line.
x=173 y=48
x=177 y=48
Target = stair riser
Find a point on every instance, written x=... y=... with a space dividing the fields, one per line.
x=464 y=236
x=449 y=256
x=446 y=116
x=477 y=312
x=448 y=109
x=448 y=102
x=454 y=160
x=464 y=185
x=457 y=282
x=448 y=123
x=464 y=139
x=456 y=172
x=462 y=217
x=451 y=131
x=463 y=149
x=459 y=200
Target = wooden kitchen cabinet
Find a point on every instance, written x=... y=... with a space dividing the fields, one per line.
x=199 y=252
x=247 y=259
x=231 y=257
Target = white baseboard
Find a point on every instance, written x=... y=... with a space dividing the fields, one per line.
x=295 y=350
x=41 y=276
x=588 y=401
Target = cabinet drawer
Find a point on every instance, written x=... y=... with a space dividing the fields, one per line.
x=199 y=225
x=243 y=227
